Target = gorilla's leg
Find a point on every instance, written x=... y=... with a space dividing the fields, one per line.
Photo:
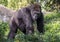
x=29 y=30
x=13 y=30
x=40 y=23
x=26 y=30
x=22 y=28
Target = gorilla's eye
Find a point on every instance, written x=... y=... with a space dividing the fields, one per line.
x=37 y=8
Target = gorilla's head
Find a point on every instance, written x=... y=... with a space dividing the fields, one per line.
x=35 y=10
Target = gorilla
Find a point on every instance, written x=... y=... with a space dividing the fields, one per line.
x=24 y=18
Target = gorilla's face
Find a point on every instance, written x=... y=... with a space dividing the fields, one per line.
x=35 y=11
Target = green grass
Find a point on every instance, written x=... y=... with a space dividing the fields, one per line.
x=52 y=27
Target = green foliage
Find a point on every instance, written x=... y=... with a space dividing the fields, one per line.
x=52 y=5
x=16 y=4
x=52 y=27
x=52 y=17
x=4 y=2
x=3 y=30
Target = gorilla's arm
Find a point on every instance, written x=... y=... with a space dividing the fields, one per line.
x=40 y=23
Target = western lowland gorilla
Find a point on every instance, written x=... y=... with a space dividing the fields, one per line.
x=23 y=19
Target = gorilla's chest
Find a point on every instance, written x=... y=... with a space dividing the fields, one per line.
x=21 y=22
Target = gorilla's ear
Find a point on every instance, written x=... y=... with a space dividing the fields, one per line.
x=27 y=10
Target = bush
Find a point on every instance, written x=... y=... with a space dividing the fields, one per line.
x=3 y=30
x=52 y=28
